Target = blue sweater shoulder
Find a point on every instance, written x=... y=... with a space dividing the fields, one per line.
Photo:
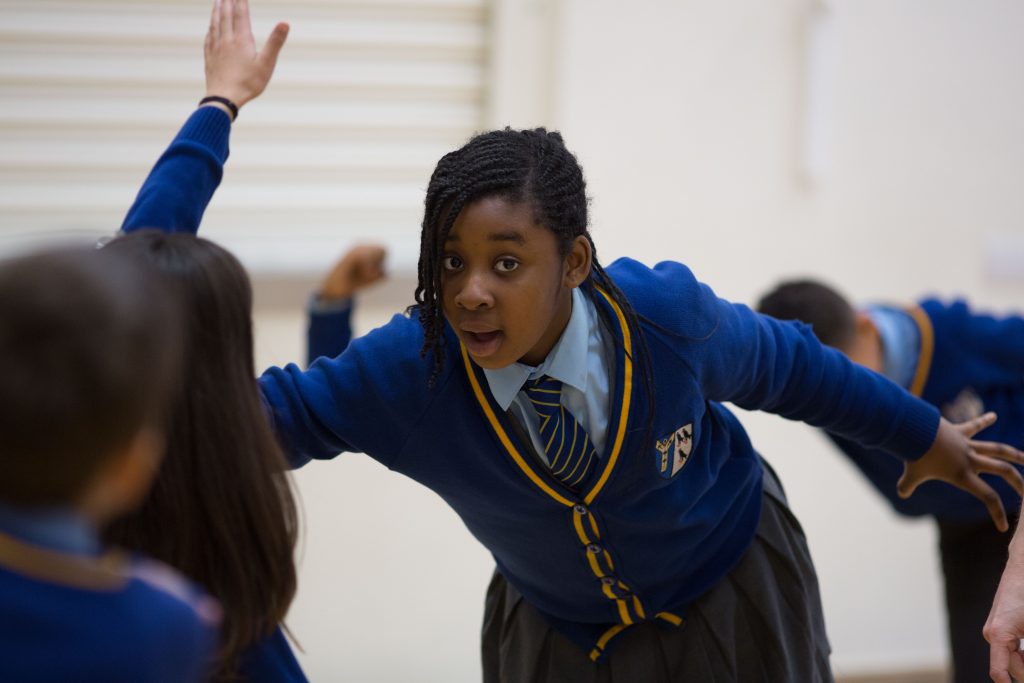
x=368 y=399
x=107 y=621
x=759 y=363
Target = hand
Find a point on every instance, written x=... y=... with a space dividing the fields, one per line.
x=958 y=460
x=361 y=266
x=1005 y=625
x=234 y=69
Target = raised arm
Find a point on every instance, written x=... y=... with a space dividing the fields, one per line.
x=181 y=184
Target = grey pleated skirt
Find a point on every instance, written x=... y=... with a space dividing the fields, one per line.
x=762 y=622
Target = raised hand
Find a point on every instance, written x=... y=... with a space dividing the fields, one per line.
x=360 y=266
x=957 y=459
x=234 y=68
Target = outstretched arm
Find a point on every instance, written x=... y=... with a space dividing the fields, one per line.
x=761 y=363
x=1005 y=625
x=181 y=184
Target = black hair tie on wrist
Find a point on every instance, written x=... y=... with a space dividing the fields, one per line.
x=222 y=100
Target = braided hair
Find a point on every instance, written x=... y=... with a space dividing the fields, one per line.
x=532 y=166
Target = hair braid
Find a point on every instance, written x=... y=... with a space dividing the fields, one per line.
x=532 y=166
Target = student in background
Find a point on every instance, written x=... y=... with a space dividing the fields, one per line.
x=89 y=356
x=965 y=364
x=330 y=309
x=222 y=510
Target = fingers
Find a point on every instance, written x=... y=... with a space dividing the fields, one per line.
x=1017 y=665
x=974 y=485
x=972 y=427
x=907 y=483
x=240 y=17
x=998 y=450
x=214 y=32
x=272 y=48
x=1003 y=469
x=227 y=18
x=999 y=663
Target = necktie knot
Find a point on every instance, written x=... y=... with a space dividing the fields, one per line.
x=567 y=447
x=545 y=394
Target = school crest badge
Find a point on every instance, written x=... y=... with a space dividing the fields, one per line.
x=674 y=450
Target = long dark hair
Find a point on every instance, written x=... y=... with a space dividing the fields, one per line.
x=532 y=166
x=221 y=510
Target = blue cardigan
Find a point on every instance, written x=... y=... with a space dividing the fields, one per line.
x=638 y=542
x=965 y=361
x=96 y=620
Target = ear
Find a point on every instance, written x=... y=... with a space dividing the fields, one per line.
x=123 y=482
x=578 y=263
x=865 y=327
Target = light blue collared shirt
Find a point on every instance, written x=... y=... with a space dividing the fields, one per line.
x=582 y=359
x=901 y=343
x=59 y=529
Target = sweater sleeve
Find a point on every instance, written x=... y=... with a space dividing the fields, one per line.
x=181 y=184
x=760 y=363
x=998 y=340
x=330 y=328
x=366 y=400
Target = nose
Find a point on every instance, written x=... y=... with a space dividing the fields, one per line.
x=474 y=293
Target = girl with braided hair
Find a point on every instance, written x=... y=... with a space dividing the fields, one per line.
x=571 y=415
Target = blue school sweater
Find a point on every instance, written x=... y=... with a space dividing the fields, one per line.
x=99 y=620
x=662 y=519
x=330 y=328
x=967 y=364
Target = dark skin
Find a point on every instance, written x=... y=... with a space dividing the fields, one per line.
x=506 y=289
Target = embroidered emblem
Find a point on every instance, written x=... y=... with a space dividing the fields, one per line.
x=674 y=451
x=966 y=406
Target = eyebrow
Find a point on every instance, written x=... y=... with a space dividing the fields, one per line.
x=507 y=236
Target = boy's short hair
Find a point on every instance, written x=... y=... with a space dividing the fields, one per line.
x=88 y=354
x=828 y=313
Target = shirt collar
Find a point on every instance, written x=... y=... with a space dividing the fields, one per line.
x=59 y=529
x=566 y=362
x=900 y=343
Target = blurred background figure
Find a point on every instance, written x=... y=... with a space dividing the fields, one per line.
x=964 y=363
x=89 y=352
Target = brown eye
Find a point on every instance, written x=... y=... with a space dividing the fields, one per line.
x=451 y=263
x=506 y=265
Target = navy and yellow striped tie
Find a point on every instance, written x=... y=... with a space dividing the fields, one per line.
x=571 y=456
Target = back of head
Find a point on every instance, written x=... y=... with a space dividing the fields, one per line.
x=221 y=510
x=88 y=356
x=828 y=313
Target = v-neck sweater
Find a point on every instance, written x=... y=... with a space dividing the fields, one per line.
x=639 y=540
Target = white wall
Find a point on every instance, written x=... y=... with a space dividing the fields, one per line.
x=695 y=136
x=692 y=122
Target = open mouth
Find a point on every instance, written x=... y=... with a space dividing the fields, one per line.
x=481 y=343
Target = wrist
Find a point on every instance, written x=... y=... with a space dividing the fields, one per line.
x=334 y=293
x=225 y=104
